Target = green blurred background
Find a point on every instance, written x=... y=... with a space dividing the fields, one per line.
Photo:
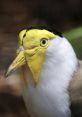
x=15 y=15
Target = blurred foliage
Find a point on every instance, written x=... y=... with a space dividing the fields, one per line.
x=75 y=38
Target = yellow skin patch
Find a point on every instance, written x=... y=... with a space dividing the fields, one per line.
x=34 y=43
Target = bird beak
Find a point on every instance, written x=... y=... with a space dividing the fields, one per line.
x=18 y=62
x=30 y=57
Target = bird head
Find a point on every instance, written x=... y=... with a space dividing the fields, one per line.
x=32 y=47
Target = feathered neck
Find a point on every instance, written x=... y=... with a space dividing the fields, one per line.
x=60 y=63
x=50 y=97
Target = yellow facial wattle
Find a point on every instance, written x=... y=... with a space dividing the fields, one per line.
x=34 y=43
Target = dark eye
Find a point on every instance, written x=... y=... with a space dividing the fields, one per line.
x=43 y=42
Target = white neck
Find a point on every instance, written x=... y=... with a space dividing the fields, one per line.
x=59 y=65
x=50 y=98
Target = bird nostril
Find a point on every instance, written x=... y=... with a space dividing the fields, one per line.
x=33 y=46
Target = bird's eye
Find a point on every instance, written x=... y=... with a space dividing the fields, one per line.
x=43 y=42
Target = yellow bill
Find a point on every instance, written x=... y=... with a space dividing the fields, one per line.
x=30 y=57
x=18 y=62
x=32 y=50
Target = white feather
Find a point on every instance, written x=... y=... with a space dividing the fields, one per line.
x=50 y=98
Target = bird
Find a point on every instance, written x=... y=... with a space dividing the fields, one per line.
x=48 y=63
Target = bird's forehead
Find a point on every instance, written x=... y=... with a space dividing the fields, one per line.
x=39 y=33
x=36 y=34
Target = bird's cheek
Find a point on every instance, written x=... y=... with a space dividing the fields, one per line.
x=35 y=63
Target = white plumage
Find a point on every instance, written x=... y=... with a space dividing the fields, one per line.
x=50 y=98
